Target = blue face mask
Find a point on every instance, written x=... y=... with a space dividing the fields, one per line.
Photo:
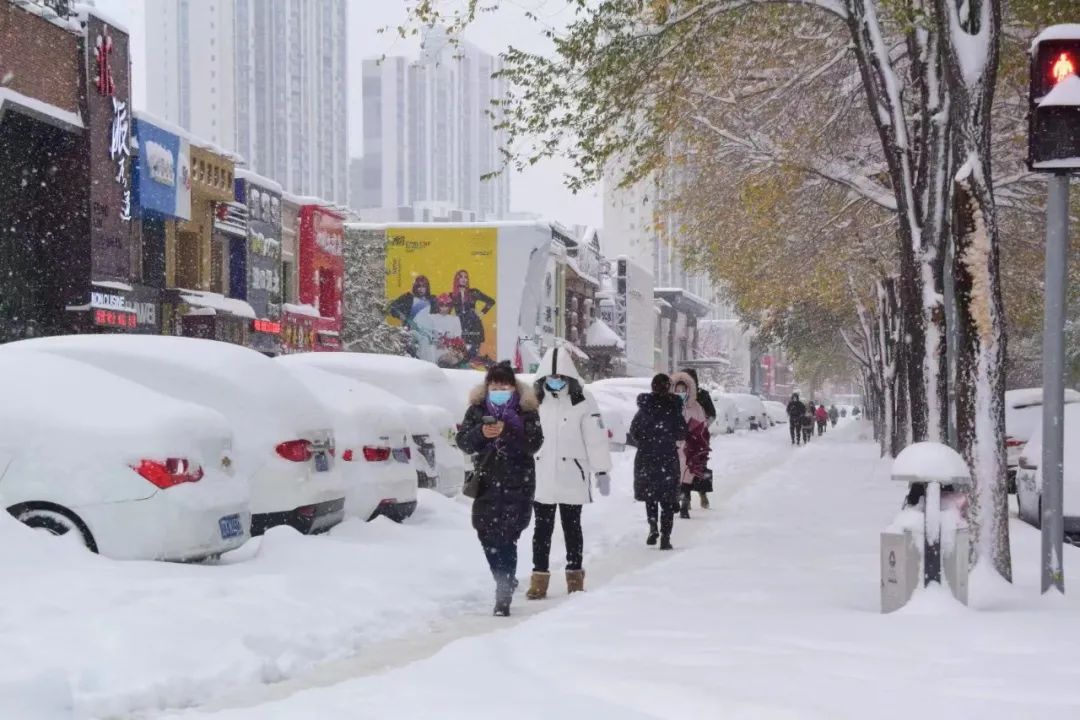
x=499 y=397
x=682 y=396
x=555 y=384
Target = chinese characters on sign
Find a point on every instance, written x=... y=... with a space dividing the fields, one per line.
x=120 y=151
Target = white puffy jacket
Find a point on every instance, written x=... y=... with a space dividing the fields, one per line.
x=575 y=439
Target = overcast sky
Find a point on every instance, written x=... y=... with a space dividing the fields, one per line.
x=539 y=190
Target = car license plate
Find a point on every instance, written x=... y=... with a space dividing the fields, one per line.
x=322 y=462
x=230 y=527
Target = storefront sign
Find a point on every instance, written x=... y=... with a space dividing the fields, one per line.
x=263 y=258
x=322 y=266
x=136 y=309
x=266 y=326
x=108 y=99
x=163 y=172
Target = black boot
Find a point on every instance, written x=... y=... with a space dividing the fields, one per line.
x=654 y=534
x=684 y=505
x=504 y=592
x=665 y=542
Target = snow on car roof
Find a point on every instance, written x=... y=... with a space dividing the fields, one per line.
x=351 y=403
x=407 y=378
x=263 y=402
x=1026 y=397
x=61 y=403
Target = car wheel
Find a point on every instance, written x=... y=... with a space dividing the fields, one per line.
x=58 y=523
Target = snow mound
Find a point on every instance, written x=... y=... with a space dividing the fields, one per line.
x=930 y=461
x=1065 y=94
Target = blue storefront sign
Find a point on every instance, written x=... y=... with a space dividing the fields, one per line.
x=163 y=171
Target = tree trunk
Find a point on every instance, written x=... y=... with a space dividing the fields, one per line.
x=972 y=27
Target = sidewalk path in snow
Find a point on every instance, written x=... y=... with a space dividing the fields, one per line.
x=769 y=612
x=737 y=461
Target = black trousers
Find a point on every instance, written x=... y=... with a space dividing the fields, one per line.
x=502 y=559
x=821 y=427
x=796 y=431
x=545 y=528
x=666 y=513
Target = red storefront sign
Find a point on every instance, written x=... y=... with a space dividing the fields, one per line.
x=266 y=326
x=321 y=269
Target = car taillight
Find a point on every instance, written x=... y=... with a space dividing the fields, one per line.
x=376 y=454
x=295 y=450
x=610 y=435
x=402 y=454
x=1013 y=442
x=347 y=456
x=170 y=473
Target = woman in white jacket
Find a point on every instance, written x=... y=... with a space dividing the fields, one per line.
x=575 y=448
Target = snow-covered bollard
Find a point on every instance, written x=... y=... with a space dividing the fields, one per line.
x=930 y=465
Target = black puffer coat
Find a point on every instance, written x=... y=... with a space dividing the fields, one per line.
x=655 y=430
x=502 y=510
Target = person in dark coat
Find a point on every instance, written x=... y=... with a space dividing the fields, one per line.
x=834 y=415
x=795 y=411
x=502 y=430
x=808 y=422
x=703 y=397
x=656 y=431
x=465 y=299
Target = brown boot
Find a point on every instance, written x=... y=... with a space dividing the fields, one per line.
x=575 y=581
x=538 y=585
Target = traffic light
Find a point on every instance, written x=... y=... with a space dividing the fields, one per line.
x=1054 y=100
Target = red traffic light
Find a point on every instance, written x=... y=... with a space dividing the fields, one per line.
x=1063 y=67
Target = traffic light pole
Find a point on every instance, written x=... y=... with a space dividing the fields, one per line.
x=1053 y=421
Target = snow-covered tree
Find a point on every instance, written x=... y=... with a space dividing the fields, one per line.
x=365 y=328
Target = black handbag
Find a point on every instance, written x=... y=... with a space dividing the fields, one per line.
x=703 y=483
x=474 y=481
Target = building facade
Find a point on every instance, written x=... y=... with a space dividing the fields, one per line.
x=429 y=138
x=264 y=78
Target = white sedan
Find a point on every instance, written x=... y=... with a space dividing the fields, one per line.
x=414 y=382
x=132 y=473
x=372 y=442
x=1029 y=478
x=284 y=437
x=1023 y=416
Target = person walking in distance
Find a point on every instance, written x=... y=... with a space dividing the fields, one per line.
x=694 y=451
x=808 y=422
x=502 y=430
x=656 y=431
x=795 y=411
x=575 y=448
x=822 y=417
x=834 y=415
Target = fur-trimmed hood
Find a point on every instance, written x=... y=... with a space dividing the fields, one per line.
x=529 y=403
x=691 y=386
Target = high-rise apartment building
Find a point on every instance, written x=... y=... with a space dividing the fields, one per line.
x=429 y=136
x=265 y=78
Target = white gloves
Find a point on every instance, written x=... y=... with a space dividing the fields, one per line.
x=603 y=483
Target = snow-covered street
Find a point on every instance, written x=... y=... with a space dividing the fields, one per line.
x=122 y=639
x=768 y=609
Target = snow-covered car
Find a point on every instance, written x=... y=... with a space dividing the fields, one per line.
x=1023 y=416
x=463 y=382
x=749 y=411
x=618 y=405
x=372 y=445
x=1029 y=475
x=727 y=414
x=132 y=473
x=776 y=411
x=417 y=383
x=284 y=441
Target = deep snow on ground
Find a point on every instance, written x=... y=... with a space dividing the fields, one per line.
x=82 y=636
x=773 y=615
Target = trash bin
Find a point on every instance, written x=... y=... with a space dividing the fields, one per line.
x=932 y=465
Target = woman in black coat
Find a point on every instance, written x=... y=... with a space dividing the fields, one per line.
x=656 y=430
x=502 y=431
x=465 y=298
